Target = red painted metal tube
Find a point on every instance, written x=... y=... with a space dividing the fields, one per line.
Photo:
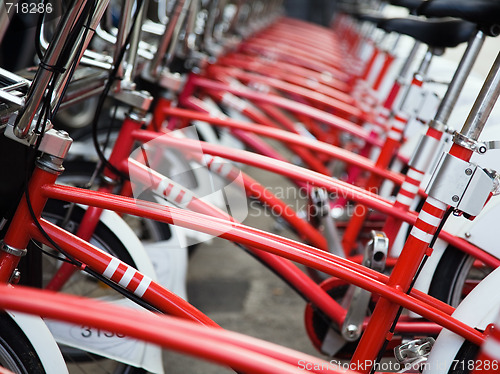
x=224 y=347
x=332 y=185
x=287 y=270
x=289 y=138
x=291 y=55
x=99 y=261
x=250 y=139
x=305 y=73
x=252 y=188
x=270 y=71
x=415 y=249
x=294 y=107
x=300 y=71
x=19 y=237
x=309 y=94
x=283 y=168
x=255 y=115
x=331 y=58
x=268 y=242
x=324 y=47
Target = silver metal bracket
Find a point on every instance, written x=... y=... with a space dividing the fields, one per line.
x=358 y=298
x=321 y=203
x=13 y=251
x=460 y=184
x=490 y=144
x=166 y=79
x=474 y=145
x=140 y=100
x=27 y=141
x=56 y=143
x=413 y=354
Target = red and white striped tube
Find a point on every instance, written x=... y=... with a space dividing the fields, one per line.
x=428 y=220
x=409 y=188
x=398 y=125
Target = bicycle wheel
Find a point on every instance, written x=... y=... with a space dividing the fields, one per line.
x=80 y=283
x=16 y=352
x=454 y=278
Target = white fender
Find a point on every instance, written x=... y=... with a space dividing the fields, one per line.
x=478 y=309
x=481 y=232
x=42 y=341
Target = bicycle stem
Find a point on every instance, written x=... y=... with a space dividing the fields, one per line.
x=457 y=83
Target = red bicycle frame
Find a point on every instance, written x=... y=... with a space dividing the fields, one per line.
x=226 y=348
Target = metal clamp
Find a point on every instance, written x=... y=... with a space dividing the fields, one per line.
x=166 y=79
x=490 y=144
x=140 y=100
x=460 y=184
x=321 y=203
x=474 y=145
x=56 y=143
x=13 y=251
x=413 y=353
x=358 y=298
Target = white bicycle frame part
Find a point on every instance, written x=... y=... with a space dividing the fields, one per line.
x=42 y=341
x=478 y=309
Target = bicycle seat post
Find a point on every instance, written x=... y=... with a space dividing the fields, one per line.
x=456 y=85
x=429 y=142
x=417 y=245
x=468 y=137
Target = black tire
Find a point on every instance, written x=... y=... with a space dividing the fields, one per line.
x=84 y=285
x=466 y=355
x=16 y=352
x=453 y=270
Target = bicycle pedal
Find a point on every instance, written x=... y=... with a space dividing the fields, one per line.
x=413 y=354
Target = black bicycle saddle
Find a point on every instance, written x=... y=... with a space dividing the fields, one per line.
x=439 y=33
x=484 y=13
x=369 y=16
x=410 y=4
